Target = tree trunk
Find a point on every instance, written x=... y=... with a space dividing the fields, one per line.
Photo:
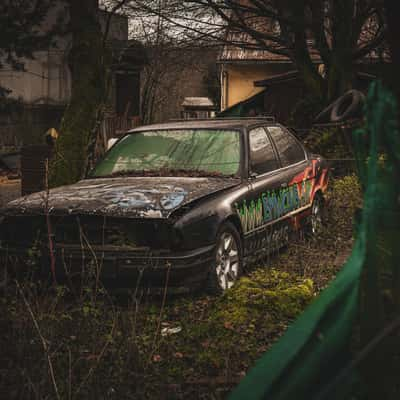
x=339 y=76
x=340 y=72
x=392 y=8
x=88 y=65
x=301 y=55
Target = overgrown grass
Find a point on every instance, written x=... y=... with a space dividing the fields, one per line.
x=57 y=345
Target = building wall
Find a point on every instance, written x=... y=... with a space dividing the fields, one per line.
x=47 y=79
x=44 y=87
x=237 y=80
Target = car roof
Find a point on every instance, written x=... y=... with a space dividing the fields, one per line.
x=220 y=123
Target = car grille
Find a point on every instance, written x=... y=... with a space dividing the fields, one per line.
x=87 y=230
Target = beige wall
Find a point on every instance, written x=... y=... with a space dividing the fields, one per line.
x=237 y=81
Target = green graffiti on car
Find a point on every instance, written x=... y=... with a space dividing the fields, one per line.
x=273 y=204
x=251 y=214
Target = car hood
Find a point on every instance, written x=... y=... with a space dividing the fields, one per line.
x=150 y=197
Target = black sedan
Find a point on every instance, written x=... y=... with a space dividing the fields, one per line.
x=182 y=204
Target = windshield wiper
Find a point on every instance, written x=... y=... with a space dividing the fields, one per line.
x=168 y=172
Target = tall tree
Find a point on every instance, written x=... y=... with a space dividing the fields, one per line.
x=88 y=62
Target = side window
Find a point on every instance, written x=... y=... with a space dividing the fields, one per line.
x=262 y=156
x=290 y=151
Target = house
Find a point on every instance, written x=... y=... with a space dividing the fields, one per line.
x=41 y=92
x=241 y=67
x=260 y=81
x=242 y=62
x=257 y=81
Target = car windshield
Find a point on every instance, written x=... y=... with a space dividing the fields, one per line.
x=196 y=152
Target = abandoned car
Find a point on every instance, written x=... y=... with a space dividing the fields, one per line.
x=182 y=204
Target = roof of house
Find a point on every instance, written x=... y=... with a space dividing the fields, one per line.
x=242 y=48
x=292 y=75
x=197 y=102
x=275 y=79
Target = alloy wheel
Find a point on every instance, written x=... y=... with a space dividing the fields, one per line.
x=227 y=261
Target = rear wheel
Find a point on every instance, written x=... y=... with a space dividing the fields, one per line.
x=227 y=265
x=317 y=215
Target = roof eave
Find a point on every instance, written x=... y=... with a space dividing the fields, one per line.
x=254 y=61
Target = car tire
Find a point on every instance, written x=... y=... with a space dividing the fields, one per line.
x=228 y=263
x=348 y=106
x=317 y=215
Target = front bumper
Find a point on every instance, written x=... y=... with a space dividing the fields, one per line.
x=118 y=268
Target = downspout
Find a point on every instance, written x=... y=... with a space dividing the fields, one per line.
x=224 y=91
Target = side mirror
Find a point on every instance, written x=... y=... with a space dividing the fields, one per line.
x=252 y=175
x=111 y=142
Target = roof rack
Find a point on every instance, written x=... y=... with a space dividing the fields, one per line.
x=266 y=118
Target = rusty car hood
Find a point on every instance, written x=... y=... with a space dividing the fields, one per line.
x=150 y=197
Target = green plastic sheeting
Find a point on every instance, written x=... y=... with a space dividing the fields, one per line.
x=306 y=362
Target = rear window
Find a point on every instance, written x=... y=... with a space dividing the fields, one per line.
x=289 y=150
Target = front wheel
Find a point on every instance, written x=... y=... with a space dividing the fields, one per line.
x=227 y=265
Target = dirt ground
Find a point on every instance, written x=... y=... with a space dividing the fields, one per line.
x=9 y=190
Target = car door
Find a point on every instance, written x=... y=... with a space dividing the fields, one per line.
x=258 y=213
x=296 y=172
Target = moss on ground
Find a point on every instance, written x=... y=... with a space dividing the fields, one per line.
x=264 y=293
